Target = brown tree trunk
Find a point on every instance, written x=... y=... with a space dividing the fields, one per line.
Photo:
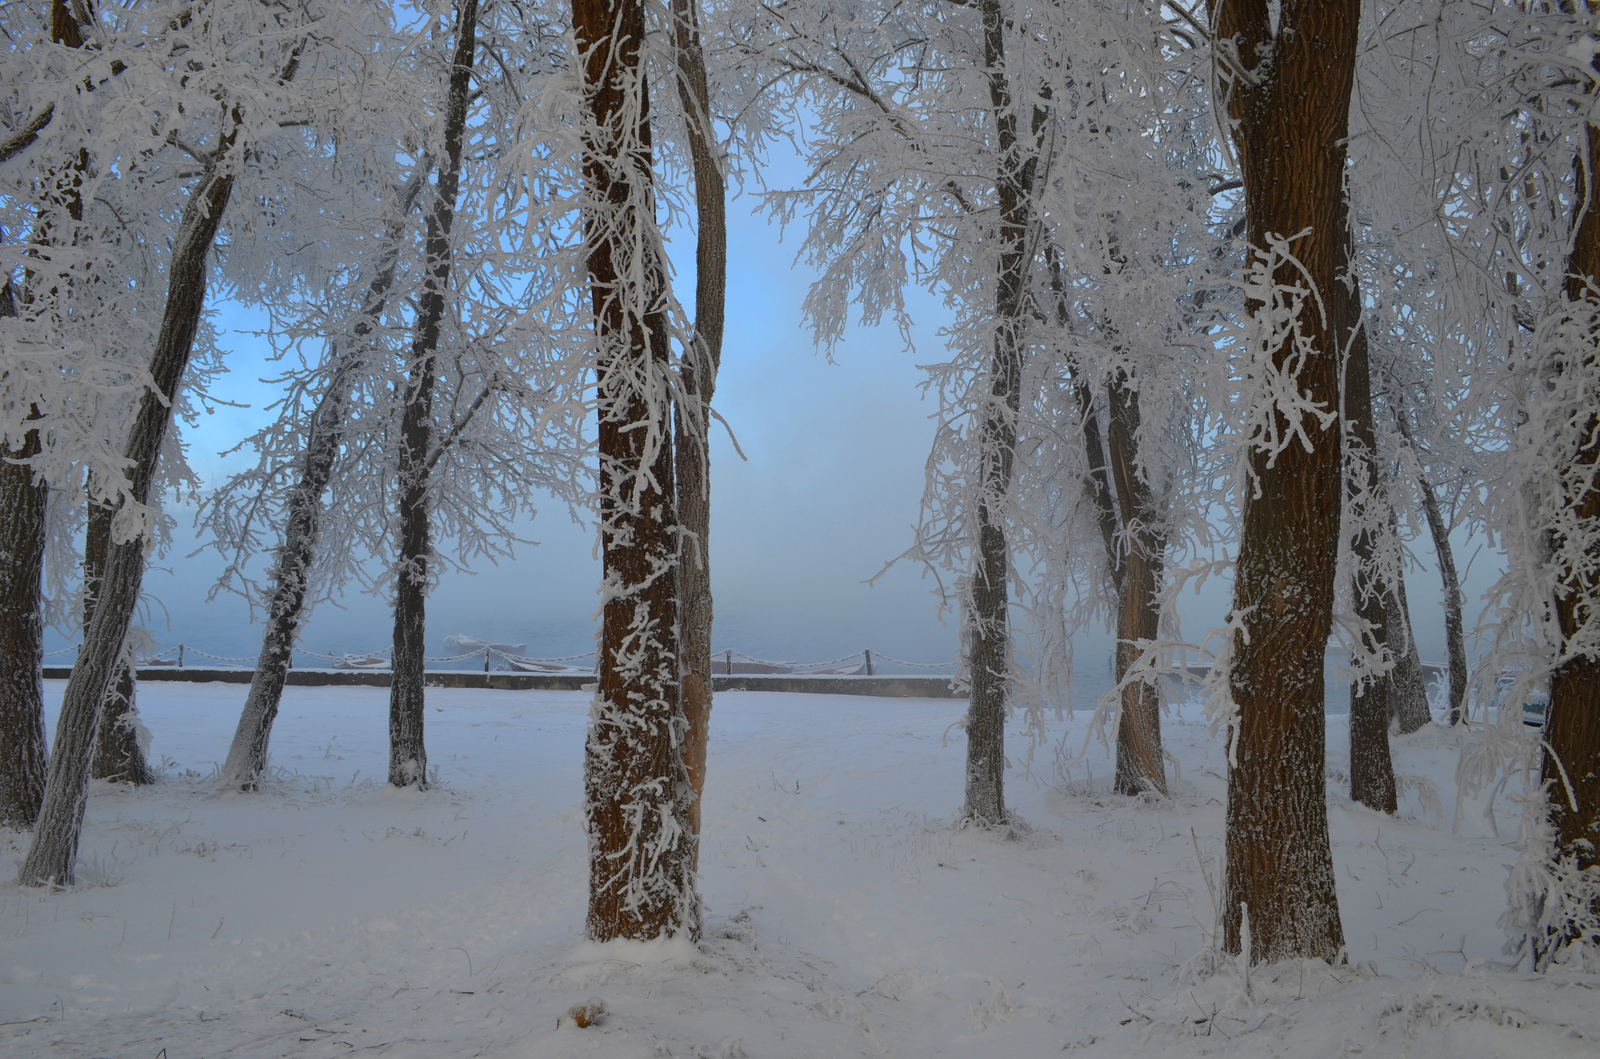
x=1140 y=766
x=23 y=762
x=692 y=424
x=1571 y=766
x=23 y=537
x=1371 y=767
x=118 y=753
x=989 y=632
x=637 y=792
x=408 y=755
x=1289 y=97
x=291 y=575
x=52 y=856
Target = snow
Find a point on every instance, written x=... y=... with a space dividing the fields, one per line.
x=332 y=914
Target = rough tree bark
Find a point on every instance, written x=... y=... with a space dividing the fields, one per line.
x=53 y=854
x=291 y=572
x=408 y=756
x=23 y=763
x=692 y=424
x=637 y=795
x=118 y=752
x=1289 y=97
x=989 y=633
x=23 y=502
x=1371 y=766
x=1571 y=766
x=1140 y=766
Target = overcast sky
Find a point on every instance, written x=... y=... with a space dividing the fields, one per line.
x=827 y=496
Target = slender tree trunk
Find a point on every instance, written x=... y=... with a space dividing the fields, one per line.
x=1454 y=627
x=52 y=857
x=691 y=431
x=1408 y=686
x=1140 y=766
x=1289 y=98
x=291 y=576
x=118 y=752
x=408 y=756
x=23 y=763
x=1571 y=766
x=1371 y=767
x=989 y=635
x=637 y=794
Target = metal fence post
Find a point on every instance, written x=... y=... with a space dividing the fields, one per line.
x=868 y=653
x=180 y=656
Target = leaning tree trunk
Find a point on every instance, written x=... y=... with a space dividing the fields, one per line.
x=52 y=857
x=291 y=574
x=118 y=751
x=691 y=425
x=408 y=756
x=1571 y=766
x=989 y=635
x=637 y=795
x=1140 y=766
x=23 y=764
x=1289 y=99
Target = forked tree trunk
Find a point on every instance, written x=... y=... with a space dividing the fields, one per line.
x=637 y=795
x=1289 y=98
x=291 y=574
x=118 y=752
x=1571 y=766
x=23 y=762
x=408 y=755
x=1140 y=767
x=691 y=431
x=52 y=856
x=989 y=633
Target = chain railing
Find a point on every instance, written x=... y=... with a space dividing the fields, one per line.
x=725 y=662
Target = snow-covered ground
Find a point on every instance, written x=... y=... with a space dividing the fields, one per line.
x=331 y=915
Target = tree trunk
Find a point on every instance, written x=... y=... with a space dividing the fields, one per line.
x=286 y=610
x=1408 y=686
x=1140 y=766
x=408 y=756
x=23 y=763
x=52 y=857
x=118 y=751
x=1371 y=767
x=691 y=431
x=23 y=537
x=1289 y=99
x=989 y=633
x=637 y=796
x=1454 y=627
x=1571 y=766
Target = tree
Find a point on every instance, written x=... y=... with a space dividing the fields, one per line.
x=691 y=424
x=637 y=795
x=1287 y=73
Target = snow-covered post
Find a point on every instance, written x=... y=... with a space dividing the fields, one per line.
x=637 y=794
